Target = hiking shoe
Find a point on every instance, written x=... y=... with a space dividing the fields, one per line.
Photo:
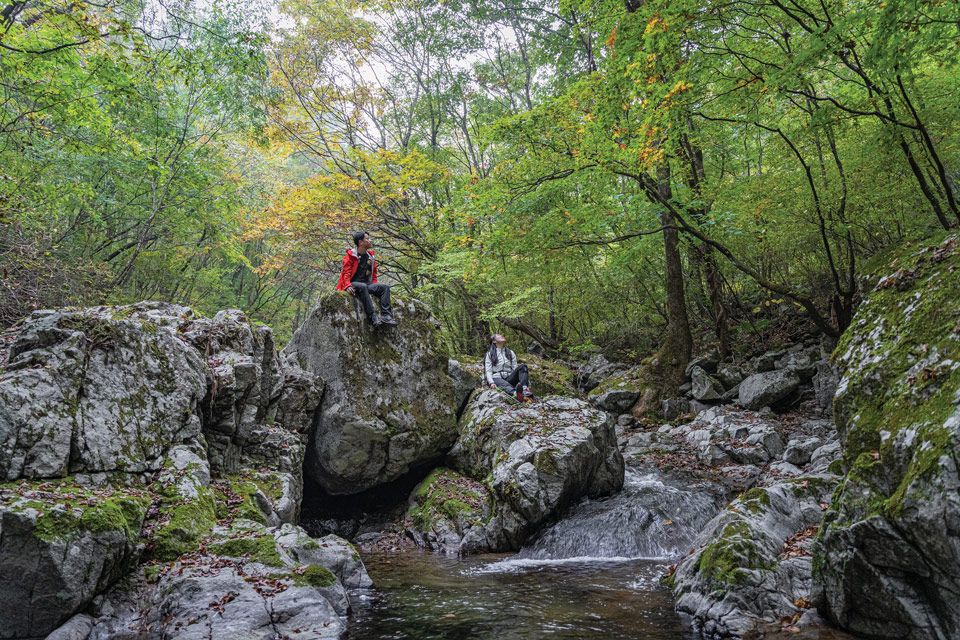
x=527 y=393
x=388 y=320
x=376 y=320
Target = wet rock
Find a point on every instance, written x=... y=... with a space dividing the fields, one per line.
x=765 y=389
x=534 y=460
x=886 y=564
x=751 y=563
x=388 y=403
x=705 y=387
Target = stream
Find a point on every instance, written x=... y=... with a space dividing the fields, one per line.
x=594 y=574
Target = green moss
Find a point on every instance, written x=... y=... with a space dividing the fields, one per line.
x=151 y=573
x=318 y=576
x=549 y=378
x=182 y=525
x=728 y=559
x=446 y=494
x=836 y=467
x=755 y=500
x=259 y=547
x=895 y=378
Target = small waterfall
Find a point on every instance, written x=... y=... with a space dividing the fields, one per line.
x=650 y=518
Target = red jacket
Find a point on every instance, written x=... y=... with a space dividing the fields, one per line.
x=350 y=262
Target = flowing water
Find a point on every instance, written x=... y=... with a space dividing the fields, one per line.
x=595 y=574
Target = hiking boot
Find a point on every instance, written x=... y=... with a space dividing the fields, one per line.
x=527 y=393
x=375 y=319
x=388 y=320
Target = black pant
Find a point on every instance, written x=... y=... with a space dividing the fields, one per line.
x=382 y=291
x=519 y=377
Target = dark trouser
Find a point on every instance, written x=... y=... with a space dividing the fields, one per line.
x=518 y=378
x=382 y=291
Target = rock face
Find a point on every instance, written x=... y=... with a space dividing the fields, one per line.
x=388 y=403
x=751 y=563
x=96 y=391
x=617 y=393
x=527 y=463
x=248 y=582
x=130 y=434
x=887 y=561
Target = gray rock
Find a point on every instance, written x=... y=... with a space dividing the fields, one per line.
x=96 y=391
x=825 y=385
x=557 y=451
x=250 y=582
x=685 y=388
x=767 y=361
x=536 y=349
x=764 y=389
x=803 y=362
x=388 y=404
x=697 y=407
x=595 y=370
x=740 y=477
x=465 y=382
x=673 y=407
x=824 y=456
x=76 y=628
x=626 y=420
x=708 y=362
x=737 y=581
x=731 y=395
x=705 y=387
x=798 y=451
x=730 y=375
x=61 y=556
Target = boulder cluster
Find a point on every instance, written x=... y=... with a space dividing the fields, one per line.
x=799 y=376
x=152 y=476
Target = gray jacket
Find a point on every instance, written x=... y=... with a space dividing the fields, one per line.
x=505 y=365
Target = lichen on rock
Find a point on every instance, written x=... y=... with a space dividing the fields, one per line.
x=887 y=561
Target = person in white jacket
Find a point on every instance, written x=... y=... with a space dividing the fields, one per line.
x=500 y=369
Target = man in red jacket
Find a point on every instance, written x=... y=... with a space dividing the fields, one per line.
x=359 y=277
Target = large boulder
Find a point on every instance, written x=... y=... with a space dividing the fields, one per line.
x=750 y=566
x=61 y=545
x=129 y=433
x=388 y=404
x=769 y=388
x=534 y=460
x=887 y=561
x=97 y=390
x=248 y=581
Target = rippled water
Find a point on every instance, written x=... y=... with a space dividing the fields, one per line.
x=424 y=595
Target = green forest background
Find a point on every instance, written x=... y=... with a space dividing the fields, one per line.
x=643 y=177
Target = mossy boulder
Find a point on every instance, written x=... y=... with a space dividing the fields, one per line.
x=549 y=378
x=619 y=392
x=246 y=580
x=887 y=561
x=62 y=544
x=444 y=507
x=535 y=459
x=750 y=566
x=389 y=403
